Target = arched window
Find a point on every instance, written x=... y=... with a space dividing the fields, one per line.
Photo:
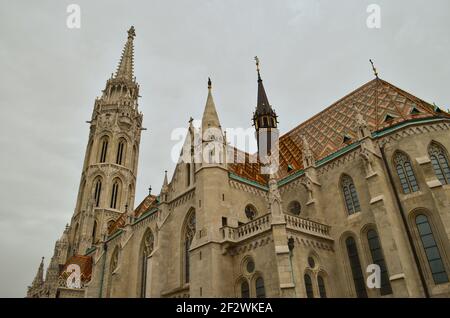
x=259 y=286
x=378 y=258
x=405 y=173
x=322 y=289
x=97 y=191
x=431 y=249
x=103 y=149
x=245 y=289
x=147 y=245
x=121 y=150
x=355 y=265
x=294 y=208
x=308 y=286
x=350 y=195
x=113 y=264
x=440 y=162
x=250 y=211
x=115 y=195
x=189 y=233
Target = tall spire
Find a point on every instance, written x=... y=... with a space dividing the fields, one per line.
x=264 y=116
x=263 y=106
x=39 y=278
x=125 y=68
x=210 y=118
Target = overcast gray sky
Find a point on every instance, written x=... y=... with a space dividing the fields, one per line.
x=312 y=53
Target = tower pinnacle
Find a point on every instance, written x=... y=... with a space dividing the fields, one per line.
x=126 y=64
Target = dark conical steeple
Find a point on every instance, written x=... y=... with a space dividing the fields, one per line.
x=264 y=116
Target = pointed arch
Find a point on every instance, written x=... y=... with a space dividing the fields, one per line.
x=351 y=199
x=188 y=235
x=116 y=192
x=321 y=284
x=97 y=190
x=113 y=265
x=430 y=245
x=377 y=256
x=308 y=285
x=103 y=149
x=439 y=161
x=260 y=289
x=121 y=151
x=144 y=265
x=355 y=266
x=405 y=172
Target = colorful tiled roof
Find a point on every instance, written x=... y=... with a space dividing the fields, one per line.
x=148 y=202
x=382 y=105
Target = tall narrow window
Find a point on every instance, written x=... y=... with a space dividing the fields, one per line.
x=429 y=244
x=322 y=289
x=405 y=173
x=148 y=243
x=245 y=289
x=113 y=265
x=350 y=195
x=378 y=258
x=308 y=286
x=357 y=274
x=188 y=174
x=120 y=158
x=440 y=162
x=189 y=233
x=103 y=149
x=115 y=195
x=97 y=192
x=259 y=286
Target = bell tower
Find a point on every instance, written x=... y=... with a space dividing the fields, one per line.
x=108 y=178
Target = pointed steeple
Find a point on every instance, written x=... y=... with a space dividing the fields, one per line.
x=39 y=278
x=263 y=107
x=210 y=118
x=126 y=64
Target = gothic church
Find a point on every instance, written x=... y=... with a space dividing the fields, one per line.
x=365 y=181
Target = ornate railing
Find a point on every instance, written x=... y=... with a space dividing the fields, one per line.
x=263 y=223
x=235 y=234
x=307 y=226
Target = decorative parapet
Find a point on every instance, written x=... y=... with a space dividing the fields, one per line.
x=250 y=229
x=263 y=224
x=307 y=226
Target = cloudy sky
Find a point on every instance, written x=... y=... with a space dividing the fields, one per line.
x=312 y=53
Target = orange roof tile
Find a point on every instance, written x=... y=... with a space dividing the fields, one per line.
x=382 y=105
x=148 y=202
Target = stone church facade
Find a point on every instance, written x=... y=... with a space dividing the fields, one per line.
x=365 y=181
